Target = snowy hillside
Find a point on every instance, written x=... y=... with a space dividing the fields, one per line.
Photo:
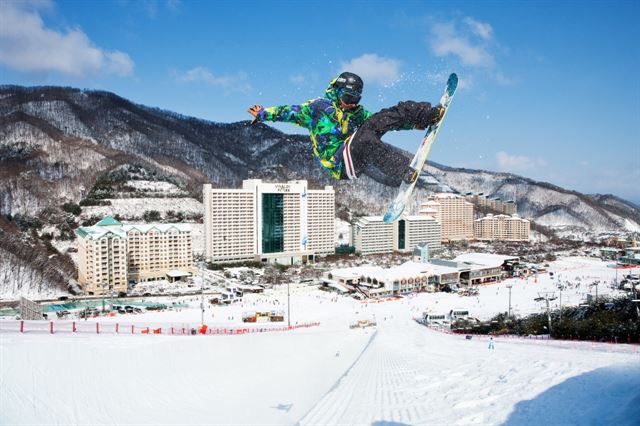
x=135 y=207
x=546 y=204
x=55 y=143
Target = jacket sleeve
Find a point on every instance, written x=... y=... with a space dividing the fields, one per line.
x=296 y=114
x=362 y=116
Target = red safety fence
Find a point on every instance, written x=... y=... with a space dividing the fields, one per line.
x=91 y=327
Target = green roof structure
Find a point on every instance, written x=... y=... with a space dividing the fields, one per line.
x=108 y=221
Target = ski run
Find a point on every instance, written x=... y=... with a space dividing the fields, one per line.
x=398 y=372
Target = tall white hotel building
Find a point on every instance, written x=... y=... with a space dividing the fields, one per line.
x=284 y=223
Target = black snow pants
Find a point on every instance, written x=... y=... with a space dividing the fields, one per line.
x=365 y=153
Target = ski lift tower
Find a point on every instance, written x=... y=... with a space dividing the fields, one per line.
x=509 y=286
x=560 y=287
x=546 y=296
x=595 y=284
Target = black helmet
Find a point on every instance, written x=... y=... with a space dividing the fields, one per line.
x=349 y=87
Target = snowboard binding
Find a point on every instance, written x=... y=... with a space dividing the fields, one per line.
x=410 y=175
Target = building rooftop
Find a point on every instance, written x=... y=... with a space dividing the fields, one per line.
x=356 y=271
x=162 y=227
x=95 y=232
x=418 y=217
x=110 y=226
x=108 y=221
x=176 y=273
x=407 y=270
x=446 y=195
x=371 y=219
x=485 y=259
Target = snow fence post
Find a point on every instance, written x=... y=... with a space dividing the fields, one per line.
x=132 y=329
x=21 y=326
x=51 y=327
x=117 y=328
x=97 y=328
x=73 y=326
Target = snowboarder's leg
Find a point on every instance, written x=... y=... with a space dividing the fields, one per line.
x=404 y=116
x=366 y=153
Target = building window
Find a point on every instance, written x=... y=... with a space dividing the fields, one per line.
x=272 y=223
x=401 y=233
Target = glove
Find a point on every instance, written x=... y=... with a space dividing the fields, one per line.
x=255 y=110
x=435 y=115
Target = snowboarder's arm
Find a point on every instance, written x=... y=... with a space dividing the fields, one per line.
x=296 y=114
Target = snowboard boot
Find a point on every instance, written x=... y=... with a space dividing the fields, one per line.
x=410 y=175
x=430 y=117
x=440 y=110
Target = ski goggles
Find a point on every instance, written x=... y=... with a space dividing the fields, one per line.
x=350 y=97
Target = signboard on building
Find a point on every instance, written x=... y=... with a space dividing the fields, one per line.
x=30 y=310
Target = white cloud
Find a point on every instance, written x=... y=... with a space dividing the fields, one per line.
x=374 y=69
x=119 y=63
x=27 y=45
x=481 y=29
x=470 y=49
x=236 y=82
x=517 y=163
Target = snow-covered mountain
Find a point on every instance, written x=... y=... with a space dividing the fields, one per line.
x=56 y=142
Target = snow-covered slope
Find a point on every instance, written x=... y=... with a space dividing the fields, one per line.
x=396 y=373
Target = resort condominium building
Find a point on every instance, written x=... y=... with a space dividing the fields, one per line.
x=111 y=254
x=503 y=207
x=372 y=235
x=270 y=222
x=502 y=227
x=454 y=213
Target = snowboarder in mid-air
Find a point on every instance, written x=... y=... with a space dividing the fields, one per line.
x=346 y=137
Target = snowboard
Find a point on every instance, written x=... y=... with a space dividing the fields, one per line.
x=412 y=173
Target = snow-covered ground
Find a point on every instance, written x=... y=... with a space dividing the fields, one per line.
x=154 y=186
x=128 y=207
x=575 y=274
x=396 y=373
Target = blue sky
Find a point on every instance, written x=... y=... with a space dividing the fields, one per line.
x=549 y=91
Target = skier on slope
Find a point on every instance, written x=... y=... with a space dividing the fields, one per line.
x=333 y=120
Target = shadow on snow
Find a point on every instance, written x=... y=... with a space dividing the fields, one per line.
x=608 y=395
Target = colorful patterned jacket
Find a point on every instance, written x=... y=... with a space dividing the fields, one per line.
x=329 y=125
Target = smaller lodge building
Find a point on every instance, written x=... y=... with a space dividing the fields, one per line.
x=427 y=275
